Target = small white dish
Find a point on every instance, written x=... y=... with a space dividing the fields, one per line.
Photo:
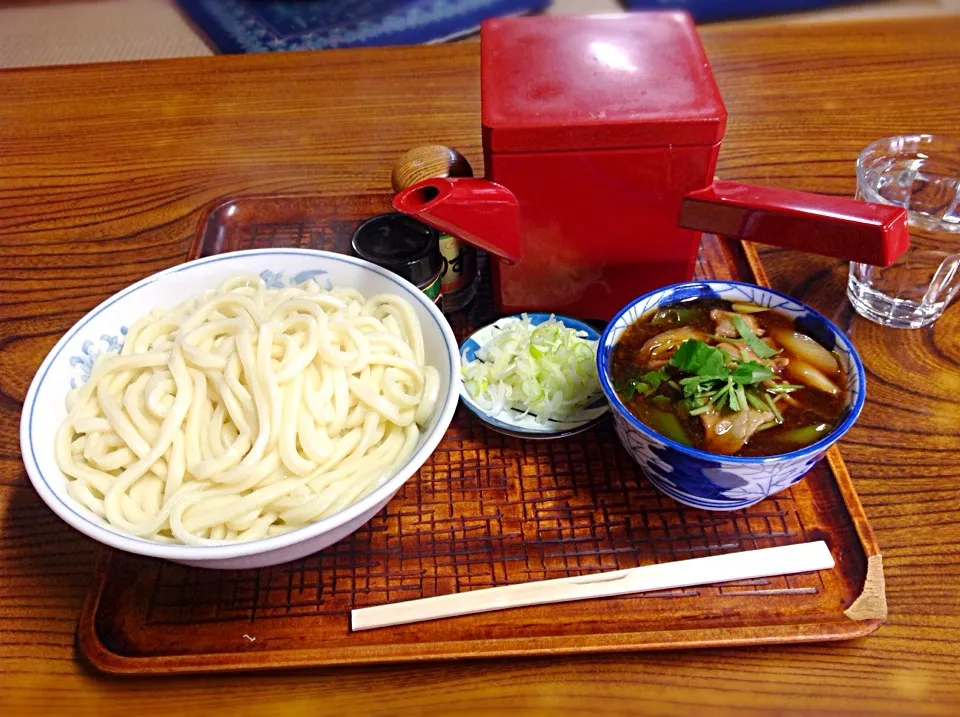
x=512 y=422
x=103 y=329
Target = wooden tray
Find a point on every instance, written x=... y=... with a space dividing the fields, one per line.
x=488 y=510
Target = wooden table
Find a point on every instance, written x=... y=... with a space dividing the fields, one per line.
x=103 y=170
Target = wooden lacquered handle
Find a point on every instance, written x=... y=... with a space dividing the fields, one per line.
x=783 y=560
x=843 y=228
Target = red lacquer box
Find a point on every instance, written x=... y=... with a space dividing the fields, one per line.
x=601 y=136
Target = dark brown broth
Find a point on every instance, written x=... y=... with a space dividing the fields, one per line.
x=815 y=406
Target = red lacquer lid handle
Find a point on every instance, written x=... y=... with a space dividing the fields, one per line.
x=843 y=228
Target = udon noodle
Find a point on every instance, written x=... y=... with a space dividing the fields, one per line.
x=248 y=412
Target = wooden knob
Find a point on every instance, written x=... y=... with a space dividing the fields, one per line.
x=431 y=160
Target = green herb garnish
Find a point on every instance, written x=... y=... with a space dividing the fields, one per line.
x=654 y=378
x=700 y=359
x=645 y=385
x=713 y=379
x=756 y=345
x=748 y=372
x=714 y=385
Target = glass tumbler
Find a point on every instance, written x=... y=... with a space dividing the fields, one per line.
x=922 y=174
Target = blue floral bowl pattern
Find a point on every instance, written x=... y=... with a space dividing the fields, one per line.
x=706 y=480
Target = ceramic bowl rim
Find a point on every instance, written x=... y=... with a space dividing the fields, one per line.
x=620 y=409
x=171 y=551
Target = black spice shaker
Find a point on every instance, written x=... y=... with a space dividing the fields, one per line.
x=404 y=246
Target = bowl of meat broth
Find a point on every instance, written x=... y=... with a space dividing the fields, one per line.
x=726 y=393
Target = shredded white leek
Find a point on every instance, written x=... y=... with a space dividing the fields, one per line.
x=548 y=370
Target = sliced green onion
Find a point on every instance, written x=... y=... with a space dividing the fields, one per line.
x=756 y=401
x=784 y=388
x=733 y=398
x=773 y=408
x=721 y=394
x=742 y=396
x=548 y=370
x=668 y=425
x=673 y=316
x=756 y=345
x=806 y=435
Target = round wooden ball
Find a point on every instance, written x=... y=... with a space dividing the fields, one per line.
x=432 y=160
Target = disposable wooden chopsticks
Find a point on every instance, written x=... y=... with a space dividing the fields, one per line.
x=783 y=560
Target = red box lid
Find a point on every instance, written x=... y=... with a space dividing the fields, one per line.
x=597 y=81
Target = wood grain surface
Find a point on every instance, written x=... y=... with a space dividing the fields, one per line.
x=104 y=170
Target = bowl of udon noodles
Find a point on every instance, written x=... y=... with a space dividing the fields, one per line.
x=241 y=410
x=726 y=393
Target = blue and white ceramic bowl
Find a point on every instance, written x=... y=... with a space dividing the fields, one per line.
x=104 y=328
x=707 y=480
x=516 y=423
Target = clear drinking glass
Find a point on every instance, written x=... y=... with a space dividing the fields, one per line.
x=921 y=173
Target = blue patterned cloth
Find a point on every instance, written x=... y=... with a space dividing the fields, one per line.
x=713 y=10
x=242 y=26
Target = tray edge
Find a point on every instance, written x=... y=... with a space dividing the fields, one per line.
x=871 y=604
x=867 y=613
x=108 y=662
